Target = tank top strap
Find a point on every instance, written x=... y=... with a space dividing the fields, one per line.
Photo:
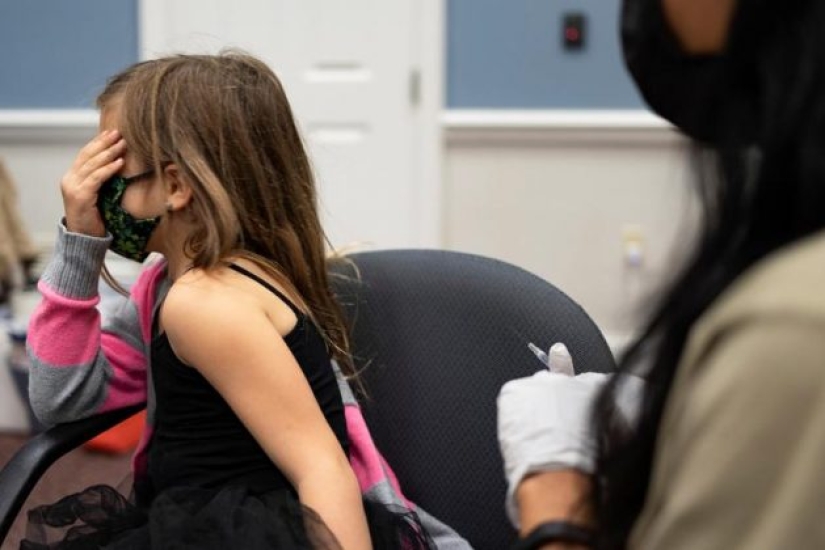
x=266 y=285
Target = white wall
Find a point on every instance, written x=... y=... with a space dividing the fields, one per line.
x=38 y=147
x=551 y=192
x=565 y=195
x=556 y=193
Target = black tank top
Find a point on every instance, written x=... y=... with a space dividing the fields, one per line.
x=198 y=441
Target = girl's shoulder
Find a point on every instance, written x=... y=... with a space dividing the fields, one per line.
x=225 y=294
x=222 y=283
x=204 y=291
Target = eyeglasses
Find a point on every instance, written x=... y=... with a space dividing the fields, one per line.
x=138 y=177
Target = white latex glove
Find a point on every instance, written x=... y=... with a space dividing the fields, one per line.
x=544 y=421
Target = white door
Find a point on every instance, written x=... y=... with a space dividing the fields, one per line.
x=351 y=70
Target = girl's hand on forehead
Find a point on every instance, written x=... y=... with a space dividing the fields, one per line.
x=98 y=161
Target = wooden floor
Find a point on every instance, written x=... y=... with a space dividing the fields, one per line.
x=75 y=471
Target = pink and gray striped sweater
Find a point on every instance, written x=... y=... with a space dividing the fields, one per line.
x=81 y=367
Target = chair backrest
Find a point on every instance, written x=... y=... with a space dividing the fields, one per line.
x=438 y=333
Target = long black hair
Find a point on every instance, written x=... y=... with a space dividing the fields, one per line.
x=757 y=196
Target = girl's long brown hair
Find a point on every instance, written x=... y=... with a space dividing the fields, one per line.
x=225 y=121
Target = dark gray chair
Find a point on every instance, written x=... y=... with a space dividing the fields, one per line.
x=437 y=334
x=440 y=332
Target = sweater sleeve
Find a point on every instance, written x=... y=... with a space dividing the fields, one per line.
x=78 y=366
x=739 y=462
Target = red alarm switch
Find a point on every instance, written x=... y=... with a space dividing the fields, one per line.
x=574 y=29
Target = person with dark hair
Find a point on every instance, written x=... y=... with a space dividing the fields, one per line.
x=726 y=447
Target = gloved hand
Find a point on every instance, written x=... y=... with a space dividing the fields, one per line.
x=544 y=421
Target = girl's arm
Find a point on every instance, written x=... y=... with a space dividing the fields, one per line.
x=78 y=367
x=233 y=343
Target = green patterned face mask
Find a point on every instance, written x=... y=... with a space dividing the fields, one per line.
x=130 y=235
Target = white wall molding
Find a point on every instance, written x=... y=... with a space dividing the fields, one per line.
x=19 y=126
x=429 y=47
x=559 y=195
x=151 y=28
x=512 y=127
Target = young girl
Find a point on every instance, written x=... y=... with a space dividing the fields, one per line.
x=199 y=159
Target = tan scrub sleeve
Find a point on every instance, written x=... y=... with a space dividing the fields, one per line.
x=740 y=463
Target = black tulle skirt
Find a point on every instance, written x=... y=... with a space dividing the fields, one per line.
x=229 y=518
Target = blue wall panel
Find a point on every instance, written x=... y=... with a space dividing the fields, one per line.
x=508 y=54
x=501 y=53
x=58 y=53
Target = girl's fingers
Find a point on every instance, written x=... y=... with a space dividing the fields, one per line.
x=101 y=158
x=103 y=173
x=101 y=142
x=84 y=189
x=98 y=161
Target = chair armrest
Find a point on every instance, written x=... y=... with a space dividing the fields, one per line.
x=19 y=476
